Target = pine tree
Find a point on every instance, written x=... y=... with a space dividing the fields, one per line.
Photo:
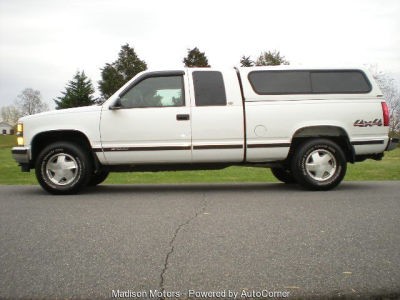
x=245 y=61
x=116 y=74
x=78 y=92
x=195 y=58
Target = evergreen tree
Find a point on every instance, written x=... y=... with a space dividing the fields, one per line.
x=78 y=92
x=195 y=58
x=271 y=58
x=116 y=74
x=245 y=61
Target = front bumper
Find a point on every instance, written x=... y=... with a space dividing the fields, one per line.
x=392 y=144
x=21 y=154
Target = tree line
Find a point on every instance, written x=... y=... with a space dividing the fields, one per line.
x=79 y=91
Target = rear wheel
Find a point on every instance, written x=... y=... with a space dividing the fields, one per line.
x=284 y=175
x=63 y=168
x=98 y=177
x=319 y=164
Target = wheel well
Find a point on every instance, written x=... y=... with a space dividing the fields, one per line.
x=333 y=133
x=43 y=139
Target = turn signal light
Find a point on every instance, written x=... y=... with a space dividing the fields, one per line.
x=20 y=127
x=385 y=111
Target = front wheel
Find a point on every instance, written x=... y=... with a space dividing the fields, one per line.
x=319 y=164
x=63 y=168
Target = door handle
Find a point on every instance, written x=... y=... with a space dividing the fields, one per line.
x=182 y=117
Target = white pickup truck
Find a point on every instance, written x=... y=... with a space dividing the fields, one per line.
x=304 y=123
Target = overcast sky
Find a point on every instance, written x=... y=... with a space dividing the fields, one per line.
x=43 y=43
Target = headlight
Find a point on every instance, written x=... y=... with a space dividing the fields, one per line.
x=20 y=141
x=20 y=128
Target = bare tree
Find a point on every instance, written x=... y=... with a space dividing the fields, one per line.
x=391 y=94
x=10 y=114
x=30 y=102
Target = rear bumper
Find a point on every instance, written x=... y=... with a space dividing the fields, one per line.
x=392 y=144
x=21 y=154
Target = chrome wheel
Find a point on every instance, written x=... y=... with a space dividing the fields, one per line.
x=62 y=169
x=321 y=165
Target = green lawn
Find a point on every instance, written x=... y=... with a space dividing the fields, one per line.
x=7 y=141
x=387 y=169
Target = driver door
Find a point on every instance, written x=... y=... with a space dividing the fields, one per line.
x=152 y=124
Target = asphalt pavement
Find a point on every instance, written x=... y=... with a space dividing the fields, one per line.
x=187 y=239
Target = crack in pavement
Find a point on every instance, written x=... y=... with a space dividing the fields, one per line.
x=171 y=242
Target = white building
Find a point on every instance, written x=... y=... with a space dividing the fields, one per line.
x=6 y=128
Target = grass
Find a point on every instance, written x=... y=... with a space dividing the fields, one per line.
x=387 y=169
x=8 y=141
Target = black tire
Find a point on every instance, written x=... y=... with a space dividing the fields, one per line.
x=312 y=176
x=98 y=178
x=79 y=168
x=283 y=175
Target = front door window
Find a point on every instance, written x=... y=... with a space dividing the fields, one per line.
x=164 y=91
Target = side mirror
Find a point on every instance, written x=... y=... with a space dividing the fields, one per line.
x=117 y=105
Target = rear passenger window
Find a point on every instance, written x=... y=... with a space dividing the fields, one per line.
x=209 y=88
x=339 y=82
x=309 y=82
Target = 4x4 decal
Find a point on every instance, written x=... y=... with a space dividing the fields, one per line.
x=362 y=123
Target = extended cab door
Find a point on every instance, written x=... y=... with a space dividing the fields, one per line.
x=152 y=122
x=217 y=116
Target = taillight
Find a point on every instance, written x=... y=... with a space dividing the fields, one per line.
x=385 y=111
